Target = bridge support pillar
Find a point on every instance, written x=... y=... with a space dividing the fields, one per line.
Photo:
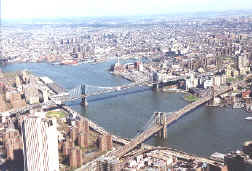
x=163 y=132
x=212 y=102
x=84 y=101
x=140 y=146
x=155 y=87
x=84 y=97
x=160 y=119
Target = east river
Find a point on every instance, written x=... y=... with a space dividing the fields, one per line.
x=203 y=131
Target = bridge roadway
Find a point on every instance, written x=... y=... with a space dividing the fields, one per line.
x=169 y=120
x=57 y=99
x=107 y=90
x=67 y=98
x=92 y=165
x=60 y=99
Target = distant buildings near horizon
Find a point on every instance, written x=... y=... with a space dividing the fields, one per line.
x=208 y=53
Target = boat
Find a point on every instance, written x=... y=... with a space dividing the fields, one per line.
x=68 y=62
x=238 y=105
x=248 y=118
x=56 y=63
x=75 y=64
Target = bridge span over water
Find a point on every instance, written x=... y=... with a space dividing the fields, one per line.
x=80 y=92
x=83 y=92
x=160 y=122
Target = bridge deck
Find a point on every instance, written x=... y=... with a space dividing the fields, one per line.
x=170 y=119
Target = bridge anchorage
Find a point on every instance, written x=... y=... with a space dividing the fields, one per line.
x=160 y=120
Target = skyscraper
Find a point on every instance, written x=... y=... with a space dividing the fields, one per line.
x=40 y=144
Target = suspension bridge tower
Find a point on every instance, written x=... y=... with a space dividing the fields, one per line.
x=212 y=102
x=160 y=119
x=84 y=95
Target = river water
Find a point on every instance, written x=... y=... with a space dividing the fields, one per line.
x=203 y=131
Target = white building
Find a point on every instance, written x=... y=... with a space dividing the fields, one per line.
x=242 y=61
x=40 y=144
x=223 y=79
x=208 y=83
x=191 y=82
x=217 y=80
x=141 y=68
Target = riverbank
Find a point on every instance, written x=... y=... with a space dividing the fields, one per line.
x=123 y=115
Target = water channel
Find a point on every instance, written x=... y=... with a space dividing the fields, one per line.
x=203 y=131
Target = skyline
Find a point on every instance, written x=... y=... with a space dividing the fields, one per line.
x=86 y=93
x=28 y=9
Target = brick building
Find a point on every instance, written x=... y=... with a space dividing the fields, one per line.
x=83 y=125
x=13 y=144
x=15 y=99
x=83 y=140
x=105 y=142
x=3 y=106
x=72 y=158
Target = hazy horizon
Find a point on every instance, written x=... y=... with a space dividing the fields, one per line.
x=29 y=9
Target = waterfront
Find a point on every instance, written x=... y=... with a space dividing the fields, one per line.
x=202 y=132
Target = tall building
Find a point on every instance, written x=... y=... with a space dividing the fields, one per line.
x=76 y=157
x=40 y=144
x=2 y=104
x=1 y=74
x=25 y=76
x=242 y=61
x=31 y=94
x=14 y=97
x=105 y=142
x=18 y=81
x=83 y=140
x=234 y=162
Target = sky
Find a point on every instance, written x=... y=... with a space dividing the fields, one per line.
x=21 y=9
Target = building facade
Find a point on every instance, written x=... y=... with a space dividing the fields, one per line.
x=40 y=144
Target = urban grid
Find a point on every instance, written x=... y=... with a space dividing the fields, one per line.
x=208 y=59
